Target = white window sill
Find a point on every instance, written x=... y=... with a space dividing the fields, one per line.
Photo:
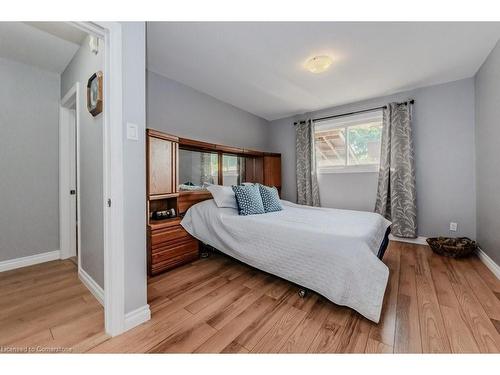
x=350 y=169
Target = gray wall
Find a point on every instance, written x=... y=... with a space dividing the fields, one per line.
x=81 y=67
x=180 y=110
x=134 y=156
x=487 y=155
x=444 y=150
x=29 y=160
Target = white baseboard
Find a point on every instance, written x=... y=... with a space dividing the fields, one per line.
x=419 y=240
x=31 y=260
x=91 y=285
x=137 y=316
x=488 y=262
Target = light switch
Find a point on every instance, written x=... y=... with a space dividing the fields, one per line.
x=132 y=131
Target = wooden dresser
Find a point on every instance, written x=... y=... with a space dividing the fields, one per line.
x=169 y=245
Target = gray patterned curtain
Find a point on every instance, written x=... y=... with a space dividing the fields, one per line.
x=307 y=181
x=396 y=194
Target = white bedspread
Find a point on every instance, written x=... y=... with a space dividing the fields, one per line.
x=330 y=251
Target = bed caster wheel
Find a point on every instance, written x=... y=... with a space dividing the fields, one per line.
x=302 y=293
x=204 y=250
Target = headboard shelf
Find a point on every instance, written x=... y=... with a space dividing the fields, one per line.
x=165 y=223
x=188 y=198
x=259 y=166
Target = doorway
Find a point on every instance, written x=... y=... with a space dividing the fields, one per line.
x=107 y=162
x=69 y=174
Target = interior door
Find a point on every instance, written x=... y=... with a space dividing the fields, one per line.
x=73 y=172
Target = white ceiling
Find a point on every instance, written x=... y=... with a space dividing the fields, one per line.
x=46 y=45
x=62 y=30
x=258 y=67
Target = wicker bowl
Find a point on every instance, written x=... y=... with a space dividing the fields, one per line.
x=452 y=247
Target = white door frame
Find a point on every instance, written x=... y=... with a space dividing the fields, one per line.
x=114 y=260
x=66 y=215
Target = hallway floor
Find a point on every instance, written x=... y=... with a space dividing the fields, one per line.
x=45 y=308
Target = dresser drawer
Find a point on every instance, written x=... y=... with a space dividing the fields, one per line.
x=174 y=249
x=169 y=246
x=173 y=255
x=174 y=233
x=172 y=263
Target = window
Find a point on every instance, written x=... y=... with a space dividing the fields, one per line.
x=349 y=143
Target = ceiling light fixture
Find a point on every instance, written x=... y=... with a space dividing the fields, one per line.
x=318 y=64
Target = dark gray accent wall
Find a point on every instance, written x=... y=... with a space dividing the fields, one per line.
x=487 y=155
x=91 y=193
x=29 y=160
x=444 y=150
x=181 y=110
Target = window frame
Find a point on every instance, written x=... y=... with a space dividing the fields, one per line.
x=346 y=168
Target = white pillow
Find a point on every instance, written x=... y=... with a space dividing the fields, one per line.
x=223 y=196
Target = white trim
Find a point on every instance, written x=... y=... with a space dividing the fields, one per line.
x=114 y=258
x=91 y=285
x=419 y=240
x=12 y=264
x=363 y=168
x=488 y=262
x=67 y=99
x=65 y=212
x=137 y=316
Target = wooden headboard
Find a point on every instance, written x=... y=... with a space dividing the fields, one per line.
x=163 y=170
x=260 y=167
x=188 y=198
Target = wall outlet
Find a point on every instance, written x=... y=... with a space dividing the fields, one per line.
x=453 y=227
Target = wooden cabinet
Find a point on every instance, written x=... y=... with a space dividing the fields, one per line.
x=254 y=169
x=162 y=150
x=169 y=246
x=272 y=170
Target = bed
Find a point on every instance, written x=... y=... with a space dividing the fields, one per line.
x=336 y=253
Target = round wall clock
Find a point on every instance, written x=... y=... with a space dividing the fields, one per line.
x=94 y=94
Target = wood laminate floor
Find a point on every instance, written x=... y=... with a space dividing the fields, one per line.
x=46 y=308
x=216 y=305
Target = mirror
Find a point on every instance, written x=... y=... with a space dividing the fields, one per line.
x=196 y=169
x=233 y=170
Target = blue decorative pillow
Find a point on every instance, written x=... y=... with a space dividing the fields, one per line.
x=270 y=198
x=248 y=199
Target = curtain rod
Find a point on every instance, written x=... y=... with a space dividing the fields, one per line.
x=355 y=112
